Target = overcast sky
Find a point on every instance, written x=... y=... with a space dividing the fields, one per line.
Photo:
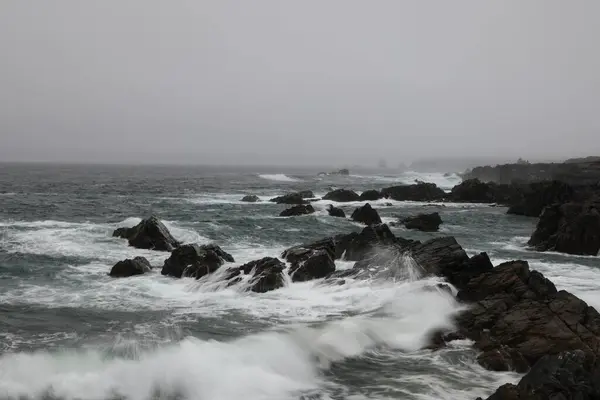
x=299 y=82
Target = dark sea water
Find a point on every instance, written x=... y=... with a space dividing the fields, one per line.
x=69 y=331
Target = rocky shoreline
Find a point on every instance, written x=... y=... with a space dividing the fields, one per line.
x=516 y=318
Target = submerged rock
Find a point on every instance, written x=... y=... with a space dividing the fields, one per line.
x=196 y=261
x=293 y=198
x=424 y=222
x=366 y=215
x=301 y=209
x=250 y=198
x=418 y=192
x=342 y=196
x=335 y=211
x=370 y=195
x=130 y=267
x=148 y=234
x=572 y=228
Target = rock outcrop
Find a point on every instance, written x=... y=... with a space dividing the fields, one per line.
x=148 y=234
x=418 y=192
x=366 y=215
x=424 y=222
x=572 y=228
x=336 y=211
x=586 y=172
x=192 y=260
x=300 y=209
x=250 y=198
x=342 y=196
x=566 y=375
x=473 y=191
x=130 y=267
x=536 y=196
x=370 y=195
x=520 y=313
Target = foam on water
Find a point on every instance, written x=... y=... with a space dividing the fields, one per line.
x=270 y=365
x=279 y=178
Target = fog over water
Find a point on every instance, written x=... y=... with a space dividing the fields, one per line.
x=270 y=82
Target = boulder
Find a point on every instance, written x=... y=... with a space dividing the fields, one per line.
x=301 y=253
x=291 y=198
x=250 y=198
x=195 y=261
x=335 y=211
x=567 y=375
x=366 y=215
x=370 y=195
x=148 y=234
x=342 y=195
x=572 y=228
x=424 y=222
x=130 y=267
x=314 y=265
x=418 y=192
x=301 y=209
x=536 y=196
x=267 y=274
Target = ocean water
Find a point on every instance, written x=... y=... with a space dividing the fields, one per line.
x=69 y=331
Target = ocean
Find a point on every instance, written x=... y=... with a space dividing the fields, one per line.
x=69 y=331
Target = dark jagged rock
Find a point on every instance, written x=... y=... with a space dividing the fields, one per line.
x=424 y=222
x=536 y=196
x=301 y=209
x=370 y=195
x=293 y=198
x=352 y=247
x=567 y=375
x=417 y=192
x=473 y=191
x=582 y=173
x=503 y=359
x=130 y=267
x=195 y=261
x=366 y=215
x=356 y=246
x=317 y=264
x=251 y=198
x=302 y=252
x=572 y=228
x=267 y=275
x=342 y=196
x=148 y=234
x=517 y=309
x=335 y=211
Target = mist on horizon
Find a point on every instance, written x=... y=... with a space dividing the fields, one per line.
x=337 y=83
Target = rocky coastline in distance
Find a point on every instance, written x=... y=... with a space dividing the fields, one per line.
x=517 y=319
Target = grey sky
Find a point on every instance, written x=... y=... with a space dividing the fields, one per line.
x=298 y=82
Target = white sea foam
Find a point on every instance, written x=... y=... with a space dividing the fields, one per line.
x=279 y=178
x=271 y=365
x=83 y=240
